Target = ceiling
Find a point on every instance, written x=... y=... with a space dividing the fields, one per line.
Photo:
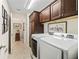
x=22 y=5
x=17 y=5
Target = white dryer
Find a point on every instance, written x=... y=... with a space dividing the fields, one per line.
x=53 y=47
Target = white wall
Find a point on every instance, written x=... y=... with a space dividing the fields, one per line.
x=4 y=37
x=27 y=27
x=72 y=24
x=0 y=21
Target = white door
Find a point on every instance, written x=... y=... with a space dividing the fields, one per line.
x=49 y=52
x=0 y=48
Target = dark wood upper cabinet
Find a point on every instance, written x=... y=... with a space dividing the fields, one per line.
x=32 y=16
x=69 y=7
x=36 y=26
x=63 y=8
x=59 y=9
x=56 y=10
x=45 y=14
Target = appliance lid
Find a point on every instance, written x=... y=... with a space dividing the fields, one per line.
x=37 y=36
x=62 y=43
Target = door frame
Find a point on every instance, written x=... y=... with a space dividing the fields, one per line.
x=9 y=45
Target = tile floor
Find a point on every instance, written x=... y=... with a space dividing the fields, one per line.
x=19 y=51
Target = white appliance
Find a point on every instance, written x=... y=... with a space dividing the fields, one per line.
x=35 y=45
x=56 y=46
x=49 y=52
x=53 y=47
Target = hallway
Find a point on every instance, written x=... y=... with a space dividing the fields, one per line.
x=19 y=51
x=21 y=19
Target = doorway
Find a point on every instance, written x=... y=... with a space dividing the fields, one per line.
x=17 y=28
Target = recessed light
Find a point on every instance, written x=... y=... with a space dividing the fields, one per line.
x=18 y=9
x=31 y=2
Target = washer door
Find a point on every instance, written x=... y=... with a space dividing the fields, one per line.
x=34 y=47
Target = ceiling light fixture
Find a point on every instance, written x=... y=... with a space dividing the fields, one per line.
x=26 y=4
x=31 y=3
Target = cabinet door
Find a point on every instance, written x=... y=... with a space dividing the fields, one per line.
x=17 y=37
x=56 y=10
x=45 y=15
x=70 y=7
x=32 y=27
